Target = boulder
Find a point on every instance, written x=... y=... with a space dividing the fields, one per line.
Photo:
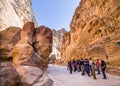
x=30 y=53
x=27 y=32
x=44 y=81
x=22 y=54
x=43 y=41
x=23 y=51
x=8 y=75
x=29 y=75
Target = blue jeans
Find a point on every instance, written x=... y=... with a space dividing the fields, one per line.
x=98 y=70
x=86 y=69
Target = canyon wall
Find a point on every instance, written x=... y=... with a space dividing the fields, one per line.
x=57 y=41
x=94 y=33
x=15 y=13
x=24 y=48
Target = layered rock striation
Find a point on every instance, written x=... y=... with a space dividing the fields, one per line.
x=15 y=13
x=95 y=33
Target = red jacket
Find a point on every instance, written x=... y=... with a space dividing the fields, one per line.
x=97 y=64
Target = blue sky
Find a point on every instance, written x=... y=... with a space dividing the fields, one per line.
x=55 y=14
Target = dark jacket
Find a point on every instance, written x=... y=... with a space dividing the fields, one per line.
x=103 y=65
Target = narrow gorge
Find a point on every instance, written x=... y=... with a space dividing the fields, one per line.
x=25 y=47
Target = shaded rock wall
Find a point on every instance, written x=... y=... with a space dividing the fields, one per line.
x=95 y=32
x=8 y=39
x=8 y=74
x=15 y=13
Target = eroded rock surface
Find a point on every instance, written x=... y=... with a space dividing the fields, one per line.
x=8 y=39
x=30 y=54
x=95 y=33
x=23 y=50
x=23 y=54
x=8 y=75
x=43 y=41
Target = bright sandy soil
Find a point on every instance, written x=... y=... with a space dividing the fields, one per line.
x=61 y=77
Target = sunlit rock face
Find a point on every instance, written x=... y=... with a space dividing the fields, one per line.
x=65 y=49
x=95 y=32
x=15 y=13
x=57 y=41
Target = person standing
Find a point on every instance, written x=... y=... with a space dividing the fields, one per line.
x=90 y=66
x=82 y=64
x=77 y=62
x=103 y=68
x=74 y=65
x=70 y=67
x=98 y=67
x=93 y=70
x=86 y=67
x=79 y=65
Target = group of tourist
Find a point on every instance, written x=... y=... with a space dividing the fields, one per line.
x=88 y=67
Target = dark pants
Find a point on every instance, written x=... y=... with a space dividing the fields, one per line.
x=79 y=67
x=70 y=68
x=75 y=68
x=104 y=74
x=86 y=69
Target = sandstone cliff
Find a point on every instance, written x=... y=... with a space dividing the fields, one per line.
x=95 y=33
x=15 y=13
x=23 y=47
x=57 y=41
